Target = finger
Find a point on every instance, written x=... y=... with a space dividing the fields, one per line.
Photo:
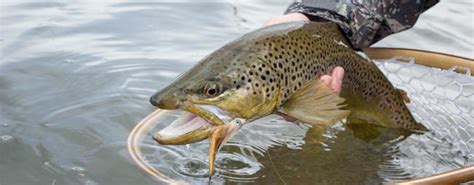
x=337 y=76
x=326 y=80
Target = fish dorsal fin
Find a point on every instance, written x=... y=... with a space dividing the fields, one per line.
x=315 y=103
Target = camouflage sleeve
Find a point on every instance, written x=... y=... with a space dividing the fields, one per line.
x=365 y=22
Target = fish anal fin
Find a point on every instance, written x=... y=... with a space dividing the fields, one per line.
x=316 y=104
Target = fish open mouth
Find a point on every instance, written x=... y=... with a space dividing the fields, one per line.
x=200 y=122
x=195 y=124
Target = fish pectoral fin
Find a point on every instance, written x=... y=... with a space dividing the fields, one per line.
x=316 y=104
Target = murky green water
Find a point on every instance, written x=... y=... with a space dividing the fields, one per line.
x=75 y=78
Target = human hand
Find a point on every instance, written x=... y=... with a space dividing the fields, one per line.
x=286 y=18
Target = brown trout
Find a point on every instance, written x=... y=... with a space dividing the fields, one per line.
x=277 y=69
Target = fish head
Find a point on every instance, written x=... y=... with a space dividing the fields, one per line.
x=216 y=91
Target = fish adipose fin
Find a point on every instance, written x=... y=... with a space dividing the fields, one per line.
x=404 y=95
x=316 y=104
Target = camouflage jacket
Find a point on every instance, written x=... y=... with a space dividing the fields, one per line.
x=364 y=21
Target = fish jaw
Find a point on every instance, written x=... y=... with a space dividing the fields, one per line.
x=198 y=123
x=194 y=125
x=183 y=131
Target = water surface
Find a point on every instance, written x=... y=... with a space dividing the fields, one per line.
x=75 y=77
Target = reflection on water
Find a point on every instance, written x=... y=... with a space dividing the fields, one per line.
x=76 y=77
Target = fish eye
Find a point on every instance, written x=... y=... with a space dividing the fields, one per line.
x=212 y=89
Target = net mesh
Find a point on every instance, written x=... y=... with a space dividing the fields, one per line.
x=443 y=101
